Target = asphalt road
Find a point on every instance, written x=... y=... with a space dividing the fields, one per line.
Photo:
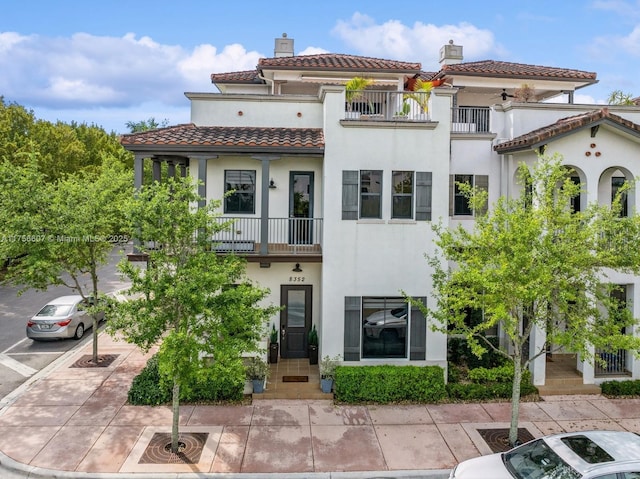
x=20 y=357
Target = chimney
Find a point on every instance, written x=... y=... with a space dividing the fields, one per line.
x=450 y=54
x=284 y=47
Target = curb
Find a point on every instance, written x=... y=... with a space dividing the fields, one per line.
x=12 y=469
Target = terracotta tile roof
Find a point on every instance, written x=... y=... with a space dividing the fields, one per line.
x=247 y=76
x=514 y=70
x=563 y=127
x=211 y=138
x=338 y=62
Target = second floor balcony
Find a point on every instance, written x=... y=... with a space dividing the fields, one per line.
x=275 y=236
x=373 y=105
x=383 y=105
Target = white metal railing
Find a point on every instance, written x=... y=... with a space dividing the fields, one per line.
x=467 y=119
x=284 y=235
x=387 y=105
x=615 y=363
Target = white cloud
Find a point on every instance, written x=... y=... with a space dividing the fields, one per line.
x=420 y=41
x=88 y=70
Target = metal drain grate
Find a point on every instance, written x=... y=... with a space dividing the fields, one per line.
x=498 y=439
x=159 y=449
x=86 y=361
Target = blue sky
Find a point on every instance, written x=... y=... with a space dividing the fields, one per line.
x=109 y=62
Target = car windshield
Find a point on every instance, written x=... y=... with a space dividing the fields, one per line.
x=536 y=460
x=55 y=310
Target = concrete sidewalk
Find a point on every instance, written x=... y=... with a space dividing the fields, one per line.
x=74 y=422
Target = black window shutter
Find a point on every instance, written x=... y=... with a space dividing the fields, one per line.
x=423 y=195
x=482 y=183
x=352 y=328
x=350 y=187
x=418 y=340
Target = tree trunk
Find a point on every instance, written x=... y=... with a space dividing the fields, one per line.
x=94 y=316
x=176 y=417
x=515 y=400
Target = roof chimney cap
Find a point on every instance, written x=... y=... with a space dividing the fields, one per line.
x=284 y=47
x=450 y=54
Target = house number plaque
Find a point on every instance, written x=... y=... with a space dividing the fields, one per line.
x=297 y=279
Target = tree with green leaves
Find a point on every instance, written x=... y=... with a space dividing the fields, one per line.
x=145 y=125
x=189 y=300
x=61 y=232
x=531 y=264
x=58 y=148
x=618 y=97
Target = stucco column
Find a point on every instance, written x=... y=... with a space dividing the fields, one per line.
x=539 y=365
x=157 y=170
x=264 y=199
x=171 y=168
x=138 y=168
x=202 y=176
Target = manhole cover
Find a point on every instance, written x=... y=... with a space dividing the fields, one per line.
x=86 y=361
x=498 y=439
x=159 y=449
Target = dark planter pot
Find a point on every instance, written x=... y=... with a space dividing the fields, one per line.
x=313 y=354
x=273 y=353
x=326 y=384
x=258 y=385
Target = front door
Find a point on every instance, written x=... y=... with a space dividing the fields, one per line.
x=301 y=207
x=295 y=320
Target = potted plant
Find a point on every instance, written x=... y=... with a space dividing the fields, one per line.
x=273 y=344
x=404 y=113
x=257 y=371
x=353 y=92
x=313 y=345
x=327 y=372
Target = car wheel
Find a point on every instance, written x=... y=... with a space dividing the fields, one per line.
x=79 y=331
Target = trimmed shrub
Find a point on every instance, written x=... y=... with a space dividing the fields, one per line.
x=146 y=388
x=500 y=374
x=621 y=388
x=219 y=382
x=483 y=392
x=387 y=384
x=490 y=383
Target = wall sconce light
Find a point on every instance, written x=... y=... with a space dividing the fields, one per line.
x=272 y=184
x=297 y=269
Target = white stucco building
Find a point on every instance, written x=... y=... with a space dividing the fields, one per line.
x=334 y=200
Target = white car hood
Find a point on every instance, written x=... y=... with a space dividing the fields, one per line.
x=483 y=467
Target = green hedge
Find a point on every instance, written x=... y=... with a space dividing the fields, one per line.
x=219 y=382
x=146 y=388
x=621 y=388
x=490 y=383
x=386 y=384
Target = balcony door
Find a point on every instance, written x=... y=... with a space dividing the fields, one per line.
x=295 y=320
x=300 y=207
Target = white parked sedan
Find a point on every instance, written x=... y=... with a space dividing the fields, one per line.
x=64 y=317
x=577 y=455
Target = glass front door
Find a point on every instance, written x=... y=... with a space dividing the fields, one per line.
x=300 y=208
x=295 y=321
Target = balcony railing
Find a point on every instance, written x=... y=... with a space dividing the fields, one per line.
x=284 y=236
x=615 y=363
x=470 y=120
x=387 y=106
